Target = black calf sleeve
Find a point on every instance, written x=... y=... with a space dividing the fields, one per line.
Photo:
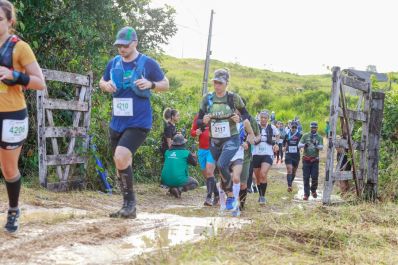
x=13 y=190
x=126 y=176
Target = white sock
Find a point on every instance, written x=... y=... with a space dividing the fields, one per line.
x=235 y=190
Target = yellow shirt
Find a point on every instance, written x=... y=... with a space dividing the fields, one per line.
x=12 y=97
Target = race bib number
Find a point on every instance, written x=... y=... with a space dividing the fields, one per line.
x=14 y=131
x=123 y=106
x=292 y=149
x=220 y=130
x=261 y=149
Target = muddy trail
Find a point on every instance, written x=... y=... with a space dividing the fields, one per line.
x=74 y=228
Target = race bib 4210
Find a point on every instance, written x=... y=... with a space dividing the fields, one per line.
x=14 y=131
x=123 y=106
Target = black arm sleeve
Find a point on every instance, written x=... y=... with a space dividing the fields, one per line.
x=192 y=160
x=244 y=113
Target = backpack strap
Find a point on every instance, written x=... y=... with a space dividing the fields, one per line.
x=230 y=100
x=140 y=66
x=6 y=51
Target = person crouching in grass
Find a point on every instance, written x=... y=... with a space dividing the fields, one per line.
x=175 y=169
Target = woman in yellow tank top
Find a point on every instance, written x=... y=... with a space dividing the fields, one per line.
x=18 y=69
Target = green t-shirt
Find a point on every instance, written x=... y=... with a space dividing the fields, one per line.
x=313 y=141
x=221 y=128
x=175 y=168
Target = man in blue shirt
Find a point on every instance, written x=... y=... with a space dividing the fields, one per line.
x=130 y=77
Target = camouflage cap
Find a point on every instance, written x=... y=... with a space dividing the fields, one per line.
x=125 y=36
x=314 y=124
x=294 y=123
x=221 y=75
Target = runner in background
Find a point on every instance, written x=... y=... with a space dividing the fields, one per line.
x=263 y=153
x=206 y=162
x=292 y=158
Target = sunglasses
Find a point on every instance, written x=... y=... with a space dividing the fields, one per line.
x=123 y=46
x=294 y=127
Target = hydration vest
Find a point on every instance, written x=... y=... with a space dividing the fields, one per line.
x=6 y=52
x=230 y=101
x=122 y=82
x=270 y=133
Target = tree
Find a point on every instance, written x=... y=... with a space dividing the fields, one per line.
x=78 y=36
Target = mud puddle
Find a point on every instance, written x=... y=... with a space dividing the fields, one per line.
x=151 y=232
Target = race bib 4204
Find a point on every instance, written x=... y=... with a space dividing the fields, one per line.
x=123 y=107
x=220 y=130
x=14 y=131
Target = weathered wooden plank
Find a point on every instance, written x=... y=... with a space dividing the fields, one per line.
x=54 y=160
x=334 y=104
x=64 y=186
x=355 y=83
x=65 y=132
x=376 y=118
x=41 y=140
x=344 y=175
x=354 y=115
x=65 y=104
x=75 y=123
x=54 y=142
x=66 y=77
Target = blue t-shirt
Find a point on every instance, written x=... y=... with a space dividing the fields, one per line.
x=142 y=111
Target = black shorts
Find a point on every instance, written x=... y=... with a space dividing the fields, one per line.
x=13 y=129
x=131 y=138
x=259 y=159
x=292 y=160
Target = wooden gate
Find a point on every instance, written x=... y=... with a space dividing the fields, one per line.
x=369 y=114
x=76 y=153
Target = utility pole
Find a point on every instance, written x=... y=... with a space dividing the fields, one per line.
x=208 y=53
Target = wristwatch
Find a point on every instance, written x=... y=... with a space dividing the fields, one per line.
x=153 y=85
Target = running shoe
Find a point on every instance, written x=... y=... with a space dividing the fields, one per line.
x=289 y=189
x=236 y=212
x=12 y=221
x=231 y=204
x=208 y=202
x=305 y=198
x=216 y=200
x=175 y=192
x=262 y=200
x=314 y=194
x=129 y=211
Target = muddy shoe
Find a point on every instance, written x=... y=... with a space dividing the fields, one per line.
x=175 y=192
x=12 y=221
x=289 y=189
x=130 y=211
x=117 y=214
x=208 y=202
x=305 y=198
x=314 y=194
x=216 y=201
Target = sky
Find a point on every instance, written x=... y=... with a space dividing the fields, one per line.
x=297 y=36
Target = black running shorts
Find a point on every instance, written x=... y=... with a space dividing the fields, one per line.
x=259 y=159
x=13 y=129
x=131 y=138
